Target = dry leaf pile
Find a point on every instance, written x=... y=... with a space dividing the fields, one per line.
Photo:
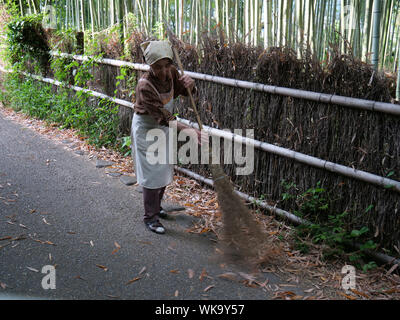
x=323 y=279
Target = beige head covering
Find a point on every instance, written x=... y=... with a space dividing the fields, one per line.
x=156 y=50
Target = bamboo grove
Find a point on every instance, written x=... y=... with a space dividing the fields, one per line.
x=316 y=24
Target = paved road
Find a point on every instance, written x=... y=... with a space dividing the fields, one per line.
x=69 y=213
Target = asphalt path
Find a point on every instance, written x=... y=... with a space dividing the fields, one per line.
x=60 y=210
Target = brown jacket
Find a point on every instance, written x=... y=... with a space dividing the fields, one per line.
x=147 y=100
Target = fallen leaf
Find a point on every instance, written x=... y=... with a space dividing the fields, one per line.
x=390 y=291
x=6 y=238
x=229 y=276
x=389 y=271
x=174 y=271
x=91 y=243
x=33 y=269
x=263 y=284
x=117 y=247
x=360 y=293
x=190 y=273
x=3 y=285
x=145 y=242
x=44 y=220
x=188 y=205
x=102 y=267
x=208 y=288
x=133 y=280
x=203 y=274
x=347 y=296
x=204 y=230
x=284 y=295
x=172 y=246
x=249 y=279
x=176 y=293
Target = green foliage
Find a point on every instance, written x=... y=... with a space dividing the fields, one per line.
x=126 y=145
x=314 y=202
x=64 y=41
x=128 y=78
x=27 y=44
x=99 y=123
x=96 y=120
x=12 y=7
x=331 y=230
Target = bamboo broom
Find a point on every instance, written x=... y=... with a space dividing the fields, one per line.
x=242 y=239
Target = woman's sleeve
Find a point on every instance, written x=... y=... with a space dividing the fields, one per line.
x=147 y=100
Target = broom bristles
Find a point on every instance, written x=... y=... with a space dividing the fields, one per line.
x=242 y=239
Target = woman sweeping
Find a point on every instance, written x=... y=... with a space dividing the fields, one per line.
x=155 y=94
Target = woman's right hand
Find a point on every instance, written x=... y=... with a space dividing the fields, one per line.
x=202 y=136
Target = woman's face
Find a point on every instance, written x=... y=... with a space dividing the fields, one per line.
x=162 y=69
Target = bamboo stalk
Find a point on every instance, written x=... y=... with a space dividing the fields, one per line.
x=367 y=27
x=398 y=70
x=375 y=35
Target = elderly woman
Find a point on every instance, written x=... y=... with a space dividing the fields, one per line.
x=155 y=94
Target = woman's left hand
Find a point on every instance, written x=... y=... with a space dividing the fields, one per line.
x=188 y=82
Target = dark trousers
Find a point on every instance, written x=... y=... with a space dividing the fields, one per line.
x=152 y=201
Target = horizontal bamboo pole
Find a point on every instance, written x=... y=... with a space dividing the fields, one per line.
x=378 y=256
x=362 y=104
x=75 y=88
x=111 y=62
x=267 y=147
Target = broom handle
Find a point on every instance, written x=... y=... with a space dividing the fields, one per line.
x=216 y=169
x=188 y=90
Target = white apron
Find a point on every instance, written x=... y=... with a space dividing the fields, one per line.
x=151 y=176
